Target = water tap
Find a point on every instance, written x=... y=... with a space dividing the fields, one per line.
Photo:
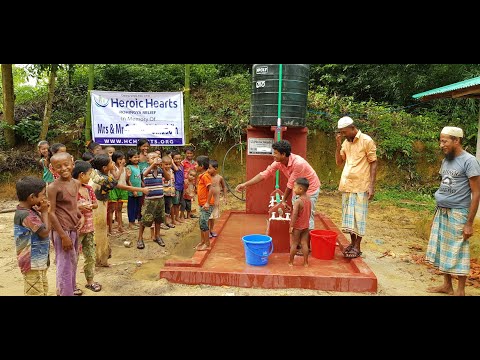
x=280 y=213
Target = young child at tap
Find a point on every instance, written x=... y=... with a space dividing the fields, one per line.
x=205 y=201
x=31 y=232
x=66 y=220
x=218 y=187
x=299 y=222
x=87 y=201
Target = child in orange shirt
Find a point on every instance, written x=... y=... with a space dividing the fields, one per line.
x=205 y=201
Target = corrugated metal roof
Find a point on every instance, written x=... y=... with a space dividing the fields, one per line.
x=452 y=87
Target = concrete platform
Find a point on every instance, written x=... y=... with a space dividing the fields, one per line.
x=225 y=263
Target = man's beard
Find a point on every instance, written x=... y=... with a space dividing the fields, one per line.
x=450 y=155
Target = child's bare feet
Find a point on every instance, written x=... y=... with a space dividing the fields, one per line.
x=290 y=263
x=305 y=264
x=203 y=247
x=120 y=230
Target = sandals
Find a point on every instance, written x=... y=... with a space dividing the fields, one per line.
x=77 y=291
x=352 y=253
x=171 y=226
x=164 y=227
x=347 y=249
x=159 y=241
x=140 y=244
x=95 y=287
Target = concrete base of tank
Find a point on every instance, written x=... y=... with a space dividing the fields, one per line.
x=224 y=264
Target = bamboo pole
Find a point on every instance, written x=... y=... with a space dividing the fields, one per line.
x=88 y=115
x=186 y=120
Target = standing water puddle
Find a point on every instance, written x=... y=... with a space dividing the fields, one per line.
x=183 y=249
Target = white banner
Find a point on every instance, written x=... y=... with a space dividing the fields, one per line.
x=121 y=118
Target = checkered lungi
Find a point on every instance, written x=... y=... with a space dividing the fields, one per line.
x=447 y=250
x=354 y=213
x=36 y=283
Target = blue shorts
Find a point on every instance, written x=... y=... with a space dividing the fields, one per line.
x=204 y=216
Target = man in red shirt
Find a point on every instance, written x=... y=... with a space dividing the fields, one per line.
x=293 y=167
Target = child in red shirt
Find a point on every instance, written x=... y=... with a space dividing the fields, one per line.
x=299 y=223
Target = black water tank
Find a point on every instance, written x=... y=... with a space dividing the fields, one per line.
x=264 y=105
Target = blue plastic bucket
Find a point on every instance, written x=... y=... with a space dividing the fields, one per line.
x=257 y=249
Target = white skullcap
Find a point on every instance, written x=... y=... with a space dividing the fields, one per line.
x=344 y=122
x=452 y=131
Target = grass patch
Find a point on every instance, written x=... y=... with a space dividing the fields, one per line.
x=406 y=199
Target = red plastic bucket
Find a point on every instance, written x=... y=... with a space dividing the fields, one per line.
x=323 y=244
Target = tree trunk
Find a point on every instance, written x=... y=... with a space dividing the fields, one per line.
x=8 y=104
x=48 y=106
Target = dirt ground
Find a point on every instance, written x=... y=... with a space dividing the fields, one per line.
x=393 y=248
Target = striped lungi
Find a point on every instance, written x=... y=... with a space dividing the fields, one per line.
x=354 y=213
x=447 y=250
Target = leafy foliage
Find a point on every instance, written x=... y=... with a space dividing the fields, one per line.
x=220 y=110
x=27 y=129
x=373 y=94
x=395 y=132
x=391 y=83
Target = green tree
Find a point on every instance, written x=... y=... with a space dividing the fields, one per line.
x=8 y=104
x=51 y=69
x=391 y=83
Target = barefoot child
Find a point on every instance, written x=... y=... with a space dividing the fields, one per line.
x=153 y=209
x=188 y=164
x=31 y=229
x=102 y=182
x=44 y=161
x=218 y=186
x=66 y=220
x=299 y=223
x=189 y=192
x=117 y=196
x=86 y=203
x=179 y=185
x=205 y=201
x=134 y=179
x=168 y=190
